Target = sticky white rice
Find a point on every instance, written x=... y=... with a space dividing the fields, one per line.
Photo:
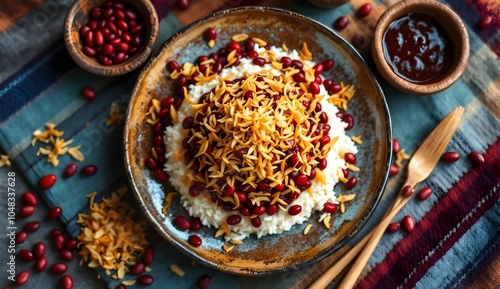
x=212 y=215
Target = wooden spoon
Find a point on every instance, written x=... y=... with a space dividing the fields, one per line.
x=419 y=168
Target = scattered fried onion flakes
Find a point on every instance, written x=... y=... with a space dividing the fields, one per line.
x=110 y=237
x=59 y=145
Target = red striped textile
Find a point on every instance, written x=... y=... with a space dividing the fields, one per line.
x=439 y=229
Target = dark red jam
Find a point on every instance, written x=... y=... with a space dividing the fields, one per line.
x=417 y=48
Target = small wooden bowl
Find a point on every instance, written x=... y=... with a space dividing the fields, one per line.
x=78 y=15
x=445 y=17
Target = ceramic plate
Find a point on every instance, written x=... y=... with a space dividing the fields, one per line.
x=292 y=249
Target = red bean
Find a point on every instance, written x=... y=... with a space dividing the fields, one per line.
x=89 y=170
x=39 y=249
x=136 y=29
x=122 y=47
x=130 y=14
x=195 y=240
x=104 y=60
x=66 y=255
x=41 y=264
x=358 y=40
x=195 y=224
x=29 y=199
x=350 y=158
x=318 y=68
x=393 y=170
x=424 y=193
x=66 y=282
x=345 y=172
x=89 y=51
x=126 y=37
x=92 y=25
x=364 y=10
x=132 y=50
x=83 y=30
x=59 y=241
x=335 y=88
x=393 y=227
x=272 y=209
x=58 y=268
x=122 y=25
x=108 y=49
x=31 y=226
x=450 y=157
x=329 y=207
x=161 y=175
x=55 y=232
x=203 y=282
x=259 y=210
x=119 y=57
x=408 y=224
x=259 y=61
x=26 y=255
x=396 y=146
x=21 y=236
x=89 y=38
x=145 y=280
x=233 y=220
x=88 y=92
x=211 y=33
x=182 y=4
x=256 y=222
x=151 y=163
x=71 y=244
x=136 y=40
x=181 y=222
x=314 y=87
x=476 y=158
x=26 y=211
x=55 y=213
x=98 y=38
x=22 y=278
x=233 y=45
x=70 y=170
x=322 y=163
x=120 y=14
x=328 y=64
x=341 y=22
x=47 y=181
x=294 y=210
x=137 y=269
x=172 y=66
x=351 y=183
x=407 y=191
x=148 y=256
x=301 y=179
x=229 y=190
x=485 y=21
x=347 y=118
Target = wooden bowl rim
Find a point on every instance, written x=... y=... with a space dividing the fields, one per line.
x=112 y=70
x=451 y=23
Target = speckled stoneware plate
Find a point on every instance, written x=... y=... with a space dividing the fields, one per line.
x=292 y=249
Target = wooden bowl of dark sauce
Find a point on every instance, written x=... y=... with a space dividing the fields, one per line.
x=420 y=46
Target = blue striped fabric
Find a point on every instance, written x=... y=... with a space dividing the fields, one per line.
x=45 y=88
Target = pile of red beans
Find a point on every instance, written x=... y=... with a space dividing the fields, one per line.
x=65 y=246
x=113 y=34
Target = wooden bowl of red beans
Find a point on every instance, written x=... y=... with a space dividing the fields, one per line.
x=110 y=37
